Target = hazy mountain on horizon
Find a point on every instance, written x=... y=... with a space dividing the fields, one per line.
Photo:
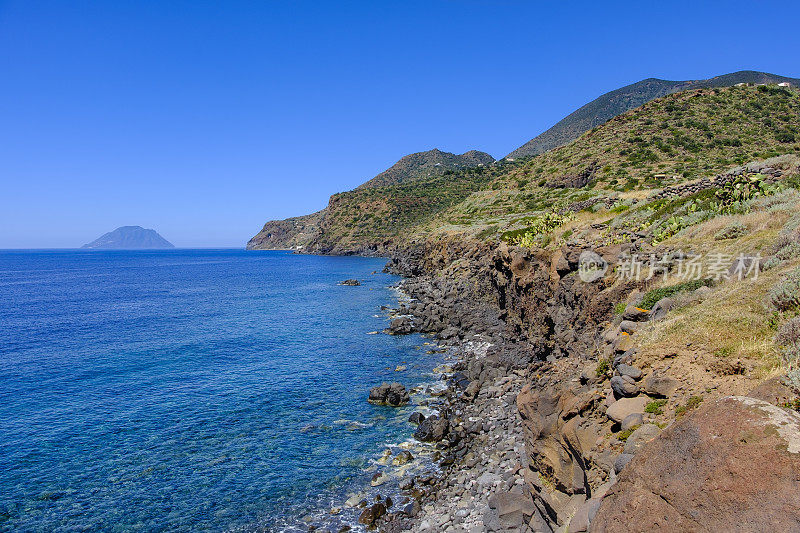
x=130 y=238
x=614 y=103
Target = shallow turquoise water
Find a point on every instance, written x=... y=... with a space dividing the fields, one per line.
x=190 y=389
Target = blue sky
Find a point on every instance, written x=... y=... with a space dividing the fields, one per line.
x=203 y=120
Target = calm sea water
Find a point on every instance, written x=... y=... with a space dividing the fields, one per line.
x=190 y=390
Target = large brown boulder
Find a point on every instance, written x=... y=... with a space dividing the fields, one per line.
x=732 y=465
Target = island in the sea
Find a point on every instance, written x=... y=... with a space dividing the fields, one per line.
x=130 y=238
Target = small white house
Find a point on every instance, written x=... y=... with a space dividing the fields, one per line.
x=784 y=84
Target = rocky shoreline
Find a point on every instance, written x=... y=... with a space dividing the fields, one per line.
x=551 y=412
x=476 y=431
x=479 y=434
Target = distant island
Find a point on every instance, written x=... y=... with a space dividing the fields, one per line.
x=130 y=238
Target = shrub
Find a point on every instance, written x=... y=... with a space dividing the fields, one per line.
x=602 y=367
x=624 y=434
x=620 y=308
x=790 y=251
x=539 y=228
x=486 y=233
x=740 y=190
x=655 y=406
x=654 y=295
x=788 y=341
x=793 y=181
x=692 y=403
x=731 y=231
x=785 y=296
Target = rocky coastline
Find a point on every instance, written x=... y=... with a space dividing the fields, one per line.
x=549 y=405
x=459 y=292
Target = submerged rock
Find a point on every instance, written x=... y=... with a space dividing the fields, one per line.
x=416 y=418
x=371 y=514
x=402 y=458
x=350 y=283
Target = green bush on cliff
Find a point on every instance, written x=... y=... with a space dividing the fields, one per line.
x=785 y=296
x=625 y=433
x=692 y=403
x=655 y=406
x=788 y=342
x=603 y=366
x=654 y=295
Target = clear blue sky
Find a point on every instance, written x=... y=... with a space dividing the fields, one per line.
x=205 y=119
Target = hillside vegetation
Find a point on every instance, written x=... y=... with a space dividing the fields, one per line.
x=672 y=140
x=676 y=139
x=402 y=196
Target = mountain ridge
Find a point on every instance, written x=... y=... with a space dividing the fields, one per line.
x=665 y=141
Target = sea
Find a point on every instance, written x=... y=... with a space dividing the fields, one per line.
x=194 y=390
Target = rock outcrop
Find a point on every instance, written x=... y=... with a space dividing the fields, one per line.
x=732 y=465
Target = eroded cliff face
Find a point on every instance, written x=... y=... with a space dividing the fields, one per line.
x=537 y=302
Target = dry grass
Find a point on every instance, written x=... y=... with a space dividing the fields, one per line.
x=734 y=321
x=762 y=230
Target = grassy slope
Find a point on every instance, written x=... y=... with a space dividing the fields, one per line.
x=681 y=136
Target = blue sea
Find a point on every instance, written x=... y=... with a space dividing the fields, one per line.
x=192 y=389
